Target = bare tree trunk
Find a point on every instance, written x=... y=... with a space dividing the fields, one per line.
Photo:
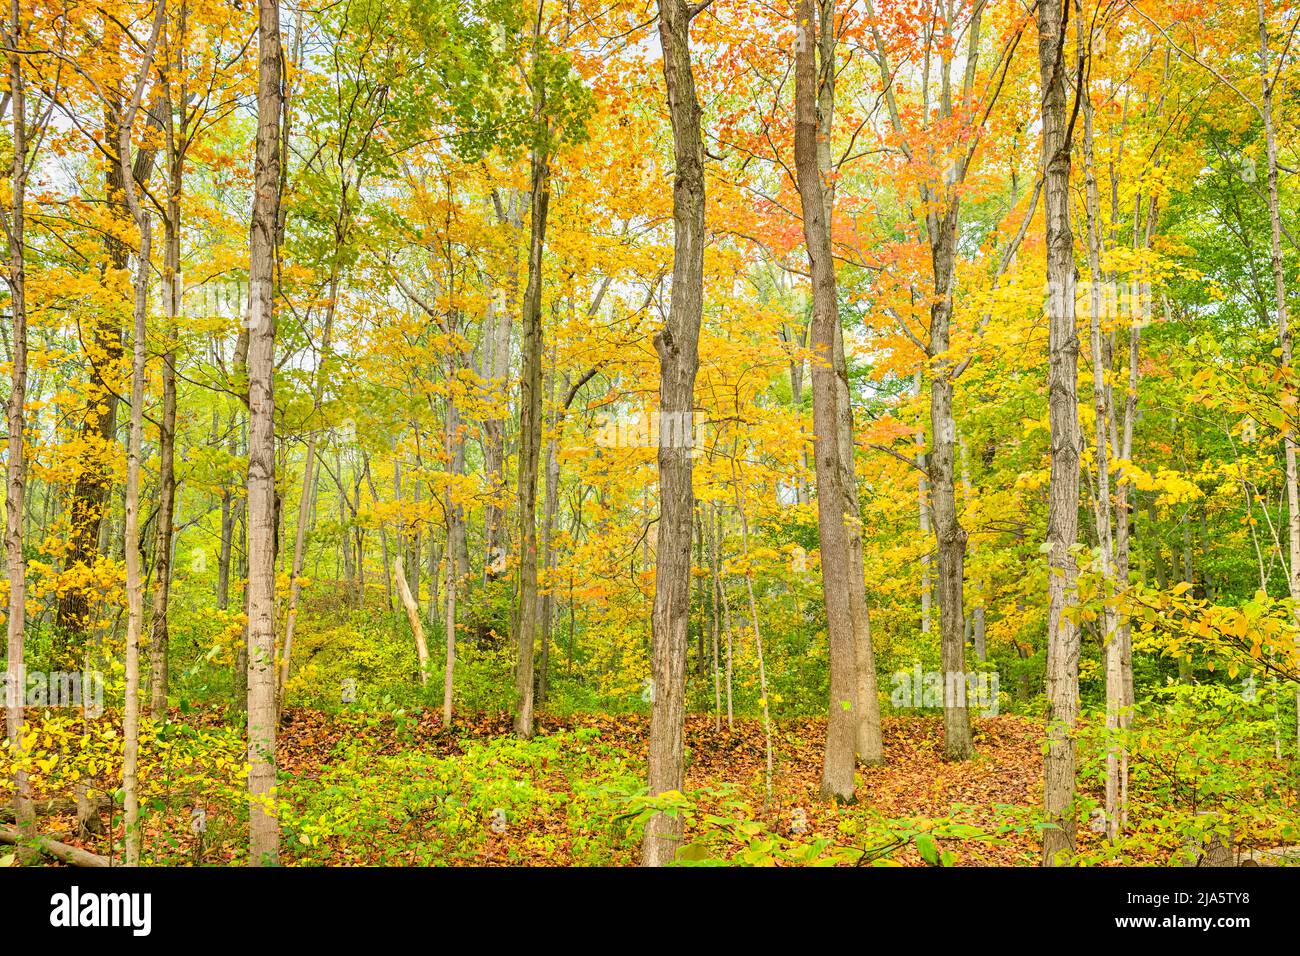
x=715 y=623
x=975 y=621
x=264 y=830
x=223 y=561
x=496 y=368
x=677 y=345
x=950 y=536
x=530 y=439
x=923 y=520
x=1283 y=326
x=1101 y=453
x=173 y=290
x=758 y=633
x=551 y=505
x=413 y=618
x=832 y=496
x=134 y=578
x=16 y=465
x=449 y=671
x=1063 y=504
x=455 y=533
x=239 y=678
x=131 y=542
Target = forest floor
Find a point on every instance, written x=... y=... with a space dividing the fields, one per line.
x=322 y=752
x=362 y=787
x=915 y=782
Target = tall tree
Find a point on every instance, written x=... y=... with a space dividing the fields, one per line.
x=1063 y=404
x=839 y=579
x=14 y=220
x=677 y=345
x=264 y=828
x=176 y=109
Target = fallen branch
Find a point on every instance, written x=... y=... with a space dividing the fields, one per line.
x=63 y=852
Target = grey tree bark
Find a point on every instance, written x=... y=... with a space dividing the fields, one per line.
x=1268 y=91
x=16 y=417
x=172 y=293
x=1063 y=495
x=836 y=524
x=134 y=576
x=131 y=543
x=264 y=829
x=677 y=345
x=530 y=440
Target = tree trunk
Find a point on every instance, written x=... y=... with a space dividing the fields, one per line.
x=832 y=496
x=173 y=290
x=677 y=345
x=551 y=505
x=264 y=831
x=1283 y=327
x=134 y=577
x=496 y=368
x=413 y=618
x=1063 y=496
x=455 y=535
x=949 y=535
x=1101 y=453
x=923 y=520
x=530 y=439
x=16 y=465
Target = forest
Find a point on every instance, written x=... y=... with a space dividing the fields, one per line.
x=594 y=433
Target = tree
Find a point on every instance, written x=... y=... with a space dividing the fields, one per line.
x=1063 y=402
x=839 y=580
x=28 y=128
x=677 y=345
x=264 y=829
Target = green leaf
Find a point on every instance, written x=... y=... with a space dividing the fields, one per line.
x=928 y=849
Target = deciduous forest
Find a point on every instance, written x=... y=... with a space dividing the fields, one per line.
x=650 y=432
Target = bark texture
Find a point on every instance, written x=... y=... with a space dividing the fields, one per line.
x=678 y=347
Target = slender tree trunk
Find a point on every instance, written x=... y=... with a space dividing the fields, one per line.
x=131 y=543
x=677 y=345
x=1063 y=503
x=173 y=290
x=455 y=534
x=1285 y=359
x=239 y=678
x=715 y=623
x=950 y=536
x=412 y=608
x=923 y=520
x=223 y=560
x=530 y=439
x=1101 y=454
x=264 y=830
x=134 y=576
x=551 y=505
x=758 y=633
x=832 y=496
x=975 y=621
x=497 y=370
x=16 y=465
